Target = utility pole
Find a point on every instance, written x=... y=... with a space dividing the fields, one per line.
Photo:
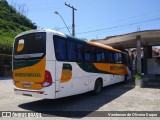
x=73 y=25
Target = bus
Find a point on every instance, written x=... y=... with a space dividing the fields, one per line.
x=49 y=64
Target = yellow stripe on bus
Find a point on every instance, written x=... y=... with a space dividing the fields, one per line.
x=33 y=73
x=119 y=69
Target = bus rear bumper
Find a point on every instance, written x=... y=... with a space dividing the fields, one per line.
x=33 y=93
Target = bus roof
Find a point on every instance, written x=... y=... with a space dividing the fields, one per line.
x=42 y=30
x=104 y=46
x=97 y=44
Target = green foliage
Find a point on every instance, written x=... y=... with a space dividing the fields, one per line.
x=5 y=48
x=138 y=76
x=11 y=24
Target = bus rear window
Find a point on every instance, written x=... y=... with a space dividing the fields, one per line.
x=33 y=43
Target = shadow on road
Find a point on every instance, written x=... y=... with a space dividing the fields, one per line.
x=5 y=78
x=79 y=105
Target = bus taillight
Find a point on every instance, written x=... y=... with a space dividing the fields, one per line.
x=47 y=79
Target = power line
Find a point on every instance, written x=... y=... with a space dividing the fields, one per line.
x=119 y=26
x=59 y=28
x=107 y=32
x=100 y=25
x=138 y=17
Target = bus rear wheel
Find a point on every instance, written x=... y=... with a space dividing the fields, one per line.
x=97 y=87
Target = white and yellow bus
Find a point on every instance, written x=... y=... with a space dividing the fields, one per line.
x=50 y=64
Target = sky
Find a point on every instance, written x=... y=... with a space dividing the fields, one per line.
x=94 y=19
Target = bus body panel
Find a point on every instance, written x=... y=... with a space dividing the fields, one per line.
x=29 y=79
x=68 y=78
x=50 y=54
x=51 y=62
x=75 y=77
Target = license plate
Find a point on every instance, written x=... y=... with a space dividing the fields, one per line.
x=27 y=85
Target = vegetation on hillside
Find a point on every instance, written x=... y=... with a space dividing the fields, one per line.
x=12 y=23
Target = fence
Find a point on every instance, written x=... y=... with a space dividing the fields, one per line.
x=5 y=65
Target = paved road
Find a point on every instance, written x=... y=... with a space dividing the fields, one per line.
x=117 y=97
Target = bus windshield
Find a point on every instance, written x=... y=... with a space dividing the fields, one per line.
x=31 y=45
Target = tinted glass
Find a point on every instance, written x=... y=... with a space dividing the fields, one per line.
x=71 y=50
x=30 y=44
x=87 y=53
x=80 y=52
x=103 y=56
x=60 y=48
x=107 y=56
x=99 y=55
x=93 y=54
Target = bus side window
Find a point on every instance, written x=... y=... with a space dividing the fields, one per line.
x=93 y=54
x=118 y=58
x=103 y=56
x=60 y=48
x=87 y=53
x=112 y=57
x=124 y=59
x=99 y=55
x=71 y=50
x=80 y=52
x=107 y=56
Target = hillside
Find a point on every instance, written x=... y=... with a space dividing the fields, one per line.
x=12 y=22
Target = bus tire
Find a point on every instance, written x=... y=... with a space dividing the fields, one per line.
x=98 y=86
